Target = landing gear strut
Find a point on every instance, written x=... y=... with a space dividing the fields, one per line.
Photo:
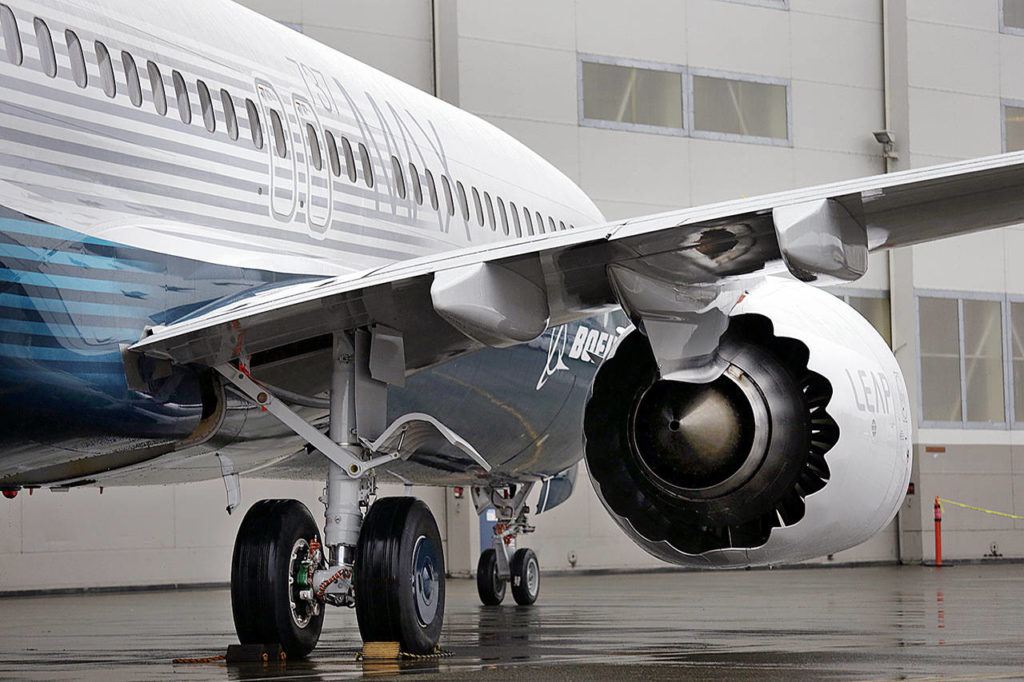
x=502 y=563
x=389 y=567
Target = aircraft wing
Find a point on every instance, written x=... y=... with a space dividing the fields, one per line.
x=507 y=293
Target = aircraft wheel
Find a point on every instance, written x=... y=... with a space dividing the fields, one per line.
x=525 y=576
x=489 y=585
x=399 y=576
x=267 y=574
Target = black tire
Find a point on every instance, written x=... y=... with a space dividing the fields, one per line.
x=525 y=576
x=489 y=585
x=261 y=596
x=399 y=576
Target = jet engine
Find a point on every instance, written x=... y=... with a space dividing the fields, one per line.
x=801 y=448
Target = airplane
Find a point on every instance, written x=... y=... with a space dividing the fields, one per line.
x=228 y=250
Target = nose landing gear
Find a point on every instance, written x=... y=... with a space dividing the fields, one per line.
x=496 y=568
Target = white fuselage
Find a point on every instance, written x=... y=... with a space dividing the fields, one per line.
x=100 y=160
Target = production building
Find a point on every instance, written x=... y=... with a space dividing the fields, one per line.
x=651 y=106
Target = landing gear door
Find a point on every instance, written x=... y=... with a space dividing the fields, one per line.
x=317 y=167
x=283 y=185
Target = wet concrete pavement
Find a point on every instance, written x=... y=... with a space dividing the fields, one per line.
x=958 y=622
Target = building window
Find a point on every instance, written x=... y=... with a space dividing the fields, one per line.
x=106 y=69
x=740 y=108
x=983 y=360
x=631 y=95
x=1013 y=126
x=206 y=106
x=1017 y=358
x=47 y=57
x=1011 y=16
x=131 y=77
x=156 y=85
x=12 y=37
x=540 y=223
x=873 y=306
x=939 y=320
x=255 y=126
x=230 y=118
x=77 y=57
x=528 y=221
x=963 y=373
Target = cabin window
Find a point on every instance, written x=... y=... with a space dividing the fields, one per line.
x=156 y=84
x=528 y=221
x=316 y=157
x=181 y=96
x=503 y=216
x=364 y=158
x=463 y=202
x=478 y=207
x=448 y=194
x=77 y=57
x=431 y=187
x=540 y=223
x=414 y=180
x=131 y=77
x=12 y=36
x=332 y=154
x=396 y=169
x=47 y=57
x=515 y=218
x=490 y=212
x=230 y=118
x=106 y=69
x=206 y=104
x=350 y=158
x=255 y=126
x=277 y=126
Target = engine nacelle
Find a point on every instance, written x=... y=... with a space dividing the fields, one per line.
x=800 y=449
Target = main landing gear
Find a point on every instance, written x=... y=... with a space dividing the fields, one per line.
x=388 y=566
x=501 y=563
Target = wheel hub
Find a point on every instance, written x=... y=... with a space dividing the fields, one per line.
x=425 y=580
x=532 y=576
x=302 y=609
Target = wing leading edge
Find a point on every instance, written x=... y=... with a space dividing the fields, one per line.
x=822 y=233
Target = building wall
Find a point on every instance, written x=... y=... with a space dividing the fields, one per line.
x=516 y=65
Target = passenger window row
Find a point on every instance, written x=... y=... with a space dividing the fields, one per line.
x=339 y=157
x=14 y=53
